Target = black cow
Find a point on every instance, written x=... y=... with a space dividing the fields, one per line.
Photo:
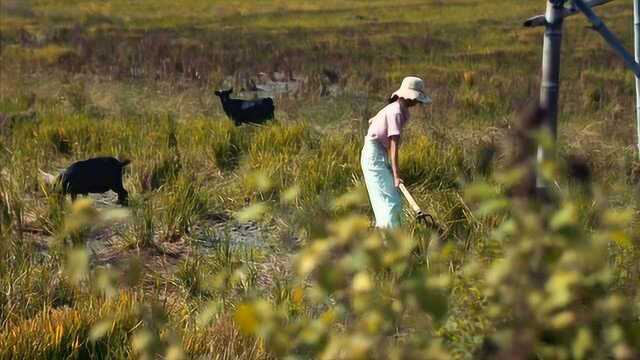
x=246 y=111
x=97 y=175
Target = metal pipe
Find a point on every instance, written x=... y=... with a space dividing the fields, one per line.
x=636 y=23
x=608 y=36
x=550 y=85
x=540 y=20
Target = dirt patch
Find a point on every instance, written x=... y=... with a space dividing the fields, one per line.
x=250 y=234
x=107 y=245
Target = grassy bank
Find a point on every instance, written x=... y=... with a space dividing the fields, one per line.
x=513 y=279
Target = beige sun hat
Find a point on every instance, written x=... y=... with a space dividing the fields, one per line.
x=412 y=88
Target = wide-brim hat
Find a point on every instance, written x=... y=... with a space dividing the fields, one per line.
x=412 y=88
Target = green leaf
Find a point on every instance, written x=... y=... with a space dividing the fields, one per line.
x=582 y=343
x=436 y=302
x=260 y=181
x=290 y=195
x=77 y=266
x=141 y=341
x=100 y=329
x=491 y=207
x=175 y=352
x=560 y=288
x=246 y=318
x=565 y=217
x=619 y=217
x=479 y=192
x=353 y=198
x=361 y=283
x=512 y=176
x=622 y=239
x=252 y=213
x=208 y=313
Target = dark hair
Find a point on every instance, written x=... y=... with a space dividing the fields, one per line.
x=392 y=99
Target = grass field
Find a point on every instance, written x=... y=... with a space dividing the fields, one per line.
x=254 y=242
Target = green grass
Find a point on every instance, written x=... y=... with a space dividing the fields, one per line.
x=136 y=80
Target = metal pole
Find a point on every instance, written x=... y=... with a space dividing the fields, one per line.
x=629 y=60
x=608 y=36
x=540 y=20
x=550 y=85
x=636 y=22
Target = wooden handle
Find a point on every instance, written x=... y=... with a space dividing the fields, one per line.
x=412 y=202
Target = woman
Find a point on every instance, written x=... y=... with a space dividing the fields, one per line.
x=379 y=158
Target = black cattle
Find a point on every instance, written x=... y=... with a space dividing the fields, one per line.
x=246 y=111
x=97 y=175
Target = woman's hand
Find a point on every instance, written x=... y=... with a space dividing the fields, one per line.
x=397 y=181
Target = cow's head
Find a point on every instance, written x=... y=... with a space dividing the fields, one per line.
x=224 y=93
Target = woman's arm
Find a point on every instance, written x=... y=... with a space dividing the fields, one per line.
x=393 y=154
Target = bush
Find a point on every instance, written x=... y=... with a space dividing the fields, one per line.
x=550 y=292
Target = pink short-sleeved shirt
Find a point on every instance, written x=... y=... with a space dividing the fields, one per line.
x=388 y=122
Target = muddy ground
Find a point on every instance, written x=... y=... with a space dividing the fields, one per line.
x=107 y=247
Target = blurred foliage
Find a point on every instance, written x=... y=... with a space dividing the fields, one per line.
x=513 y=279
x=552 y=293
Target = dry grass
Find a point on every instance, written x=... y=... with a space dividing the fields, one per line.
x=136 y=81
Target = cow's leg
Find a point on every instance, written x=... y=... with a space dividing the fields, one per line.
x=123 y=195
x=73 y=196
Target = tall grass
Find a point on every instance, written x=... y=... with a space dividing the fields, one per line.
x=512 y=279
x=297 y=172
x=431 y=165
x=181 y=206
x=67 y=332
x=142 y=232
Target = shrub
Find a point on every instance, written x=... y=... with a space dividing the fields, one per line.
x=550 y=292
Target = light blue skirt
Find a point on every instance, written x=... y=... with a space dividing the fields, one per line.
x=383 y=195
